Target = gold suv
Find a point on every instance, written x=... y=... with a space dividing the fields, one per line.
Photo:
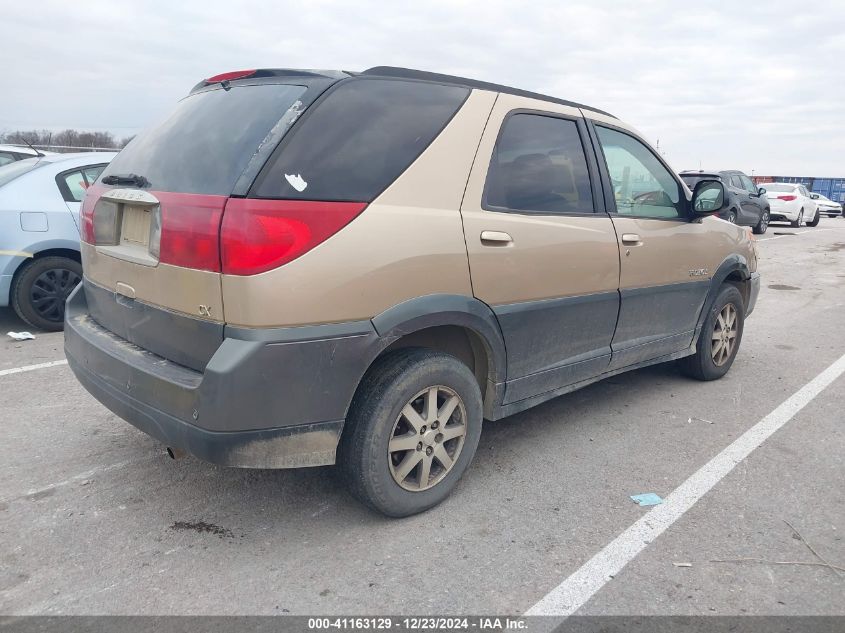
x=300 y=268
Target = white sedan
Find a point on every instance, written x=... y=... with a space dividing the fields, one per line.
x=827 y=206
x=792 y=203
x=39 y=232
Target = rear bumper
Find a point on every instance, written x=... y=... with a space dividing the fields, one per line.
x=784 y=211
x=754 y=292
x=266 y=399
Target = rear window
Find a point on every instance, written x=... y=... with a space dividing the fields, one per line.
x=208 y=140
x=783 y=188
x=11 y=171
x=692 y=181
x=357 y=141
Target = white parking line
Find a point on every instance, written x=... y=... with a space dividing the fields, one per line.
x=17 y=370
x=777 y=237
x=577 y=589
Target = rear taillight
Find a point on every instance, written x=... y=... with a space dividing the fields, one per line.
x=259 y=235
x=86 y=213
x=188 y=230
x=787 y=198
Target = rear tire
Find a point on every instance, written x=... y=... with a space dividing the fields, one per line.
x=731 y=217
x=383 y=437
x=763 y=224
x=40 y=289
x=797 y=223
x=815 y=221
x=712 y=359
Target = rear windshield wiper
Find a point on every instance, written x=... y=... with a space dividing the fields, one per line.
x=126 y=179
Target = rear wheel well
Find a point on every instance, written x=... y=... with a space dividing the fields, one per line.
x=462 y=343
x=50 y=252
x=60 y=252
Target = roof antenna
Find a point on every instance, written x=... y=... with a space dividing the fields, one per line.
x=37 y=152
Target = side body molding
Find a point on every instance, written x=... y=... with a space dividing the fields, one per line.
x=456 y=310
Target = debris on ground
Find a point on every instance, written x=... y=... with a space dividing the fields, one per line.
x=682 y=564
x=21 y=336
x=699 y=420
x=646 y=499
x=765 y=561
x=796 y=534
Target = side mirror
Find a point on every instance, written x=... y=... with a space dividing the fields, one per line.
x=814 y=196
x=708 y=198
x=761 y=191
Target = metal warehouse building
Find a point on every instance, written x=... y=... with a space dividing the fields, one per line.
x=833 y=188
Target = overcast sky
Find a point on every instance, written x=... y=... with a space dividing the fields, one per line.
x=757 y=86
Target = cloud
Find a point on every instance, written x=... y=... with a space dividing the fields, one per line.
x=754 y=86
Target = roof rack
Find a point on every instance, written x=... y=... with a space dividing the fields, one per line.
x=409 y=73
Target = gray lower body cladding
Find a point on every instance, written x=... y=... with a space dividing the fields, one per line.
x=266 y=398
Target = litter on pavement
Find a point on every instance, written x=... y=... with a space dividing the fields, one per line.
x=21 y=336
x=647 y=499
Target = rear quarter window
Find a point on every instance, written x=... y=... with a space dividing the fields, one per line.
x=354 y=143
x=538 y=166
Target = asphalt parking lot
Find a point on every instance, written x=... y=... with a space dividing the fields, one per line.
x=95 y=519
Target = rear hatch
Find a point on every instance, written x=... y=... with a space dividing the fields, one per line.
x=778 y=195
x=151 y=225
x=691 y=180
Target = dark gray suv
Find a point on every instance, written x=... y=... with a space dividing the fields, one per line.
x=747 y=204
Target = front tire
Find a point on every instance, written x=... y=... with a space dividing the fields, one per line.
x=720 y=337
x=731 y=217
x=797 y=222
x=763 y=224
x=412 y=430
x=40 y=289
x=815 y=221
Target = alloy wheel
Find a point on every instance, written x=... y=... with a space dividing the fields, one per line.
x=427 y=438
x=50 y=291
x=724 y=335
x=764 y=221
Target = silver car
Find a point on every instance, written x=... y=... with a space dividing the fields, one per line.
x=39 y=232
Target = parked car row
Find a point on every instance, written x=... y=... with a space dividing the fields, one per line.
x=750 y=205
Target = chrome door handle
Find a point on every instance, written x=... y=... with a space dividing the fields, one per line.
x=496 y=238
x=630 y=239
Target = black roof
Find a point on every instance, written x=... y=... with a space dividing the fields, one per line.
x=399 y=73
x=421 y=75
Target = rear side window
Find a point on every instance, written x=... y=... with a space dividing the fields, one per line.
x=358 y=140
x=75 y=183
x=539 y=166
x=72 y=184
x=207 y=141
